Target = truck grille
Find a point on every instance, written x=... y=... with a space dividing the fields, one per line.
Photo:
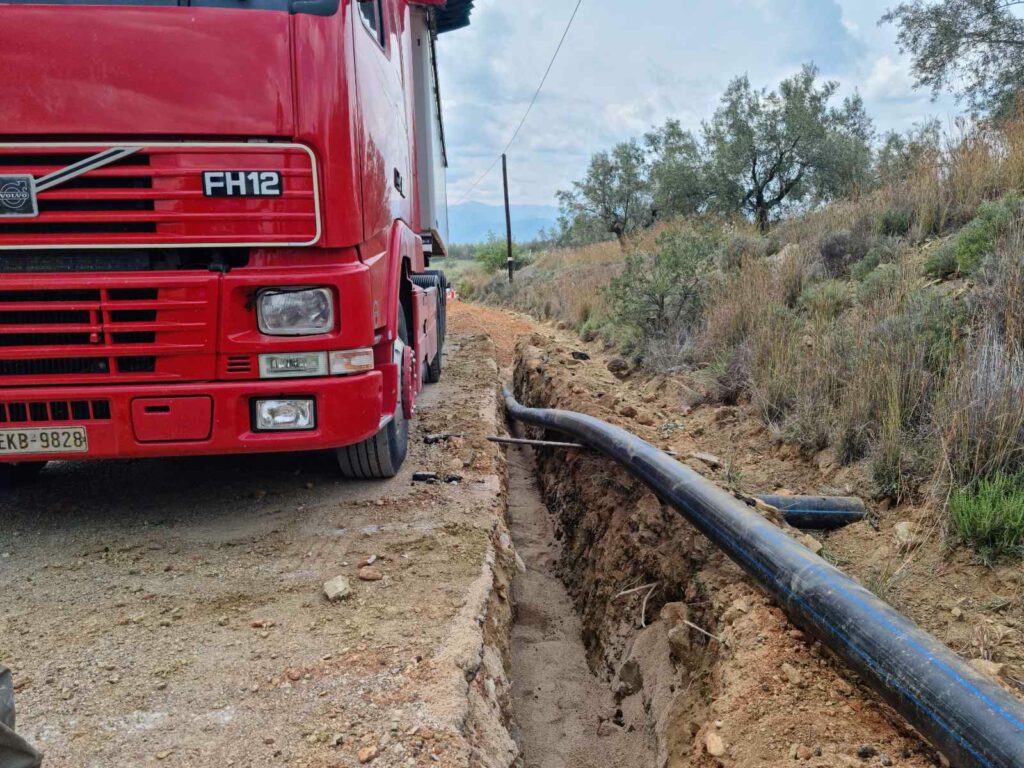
x=54 y=411
x=155 y=197
x=148 y=328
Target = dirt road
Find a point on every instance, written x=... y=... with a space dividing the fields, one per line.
x=171 y=612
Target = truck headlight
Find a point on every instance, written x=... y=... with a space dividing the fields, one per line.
x=291 y=415
x=295 y=311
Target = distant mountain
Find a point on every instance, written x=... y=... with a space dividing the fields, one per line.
x=472 y=222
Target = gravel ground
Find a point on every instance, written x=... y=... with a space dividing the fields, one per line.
x=171 y=612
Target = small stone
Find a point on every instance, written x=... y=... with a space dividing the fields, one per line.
x=630 y=678
x=792 y=674
x=990 y=668
x=866 y=751
x=164 y=754
x=627 y=411
x=369 y=573
x=907 y=536
x=618 y=365
x=367 y=754
x=708 y=458
x=811 y=543
x=714 y=744
x=337 y=588
x=580 y=355
x=804 y=752
x=957 y=613
x=885 y=760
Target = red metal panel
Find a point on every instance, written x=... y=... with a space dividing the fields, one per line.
x=172 y=419
x=156 y=71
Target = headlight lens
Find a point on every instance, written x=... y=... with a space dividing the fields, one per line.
x=285 y=415
x=295 y=312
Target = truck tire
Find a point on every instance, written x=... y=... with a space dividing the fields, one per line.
x=381 y=456
x=20 y=474
x=435 y=279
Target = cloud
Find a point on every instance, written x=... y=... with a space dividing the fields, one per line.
x=626 y=67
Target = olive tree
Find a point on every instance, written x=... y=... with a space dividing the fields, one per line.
x=677 y=175
x=769 y=150
x=974 y=47
x=615 y=194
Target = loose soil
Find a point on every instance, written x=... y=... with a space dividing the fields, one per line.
x=171 y=612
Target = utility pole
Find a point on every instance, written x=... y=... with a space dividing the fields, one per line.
x=508 y=219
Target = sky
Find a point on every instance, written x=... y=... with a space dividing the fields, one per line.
x=628 y=65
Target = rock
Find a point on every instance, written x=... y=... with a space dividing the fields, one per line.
x=866 y=751
x=618 y=366
x=714 y=744
x=368 y=754
x=630 y=678
x=679 y=641
x=337 y=588
x=907 y=536
x=708 y=458
x=885 y=760
x=627 y=411
x=957 y=613
x=739 y=607
x=986 y=667
x=804 y=752
x=580 y=356
x=811 y=543
x=369 y=573
x=792 y=674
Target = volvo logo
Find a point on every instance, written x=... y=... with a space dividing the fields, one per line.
x=15 y=194
x=18 y=196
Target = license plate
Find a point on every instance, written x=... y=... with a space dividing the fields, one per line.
x=18 y=196
x=49 y=440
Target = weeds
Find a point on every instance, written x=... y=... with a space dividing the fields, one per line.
x=990 y=516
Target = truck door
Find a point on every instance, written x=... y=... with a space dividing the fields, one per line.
x=384 y=144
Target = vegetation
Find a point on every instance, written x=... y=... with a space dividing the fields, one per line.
x=990 y=516
x=865 y=297
x=974 y=45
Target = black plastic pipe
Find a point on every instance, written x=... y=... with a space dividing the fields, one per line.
x=965 y=715
x=823 y=513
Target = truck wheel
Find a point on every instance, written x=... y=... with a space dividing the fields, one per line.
x=20 y=474
x=381 y=456
x=435 y=279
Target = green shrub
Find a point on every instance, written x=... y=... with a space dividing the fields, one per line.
x=895 y=222
x=867 y=265
x=978 y=239
x=660 y=295
x=990 y=516
x=879 y=285
x=840 y=250
x=942 y=262
x=826 y=300
x=739 y=249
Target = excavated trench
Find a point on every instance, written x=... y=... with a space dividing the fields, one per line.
x=639 y=644
x=566 y=716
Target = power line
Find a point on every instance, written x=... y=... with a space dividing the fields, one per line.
x=529 y=109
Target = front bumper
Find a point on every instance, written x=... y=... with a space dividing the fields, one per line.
x=348 y=410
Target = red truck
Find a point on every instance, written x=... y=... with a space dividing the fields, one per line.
x=216 y=223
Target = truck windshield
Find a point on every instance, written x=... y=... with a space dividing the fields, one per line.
x=318 y=7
